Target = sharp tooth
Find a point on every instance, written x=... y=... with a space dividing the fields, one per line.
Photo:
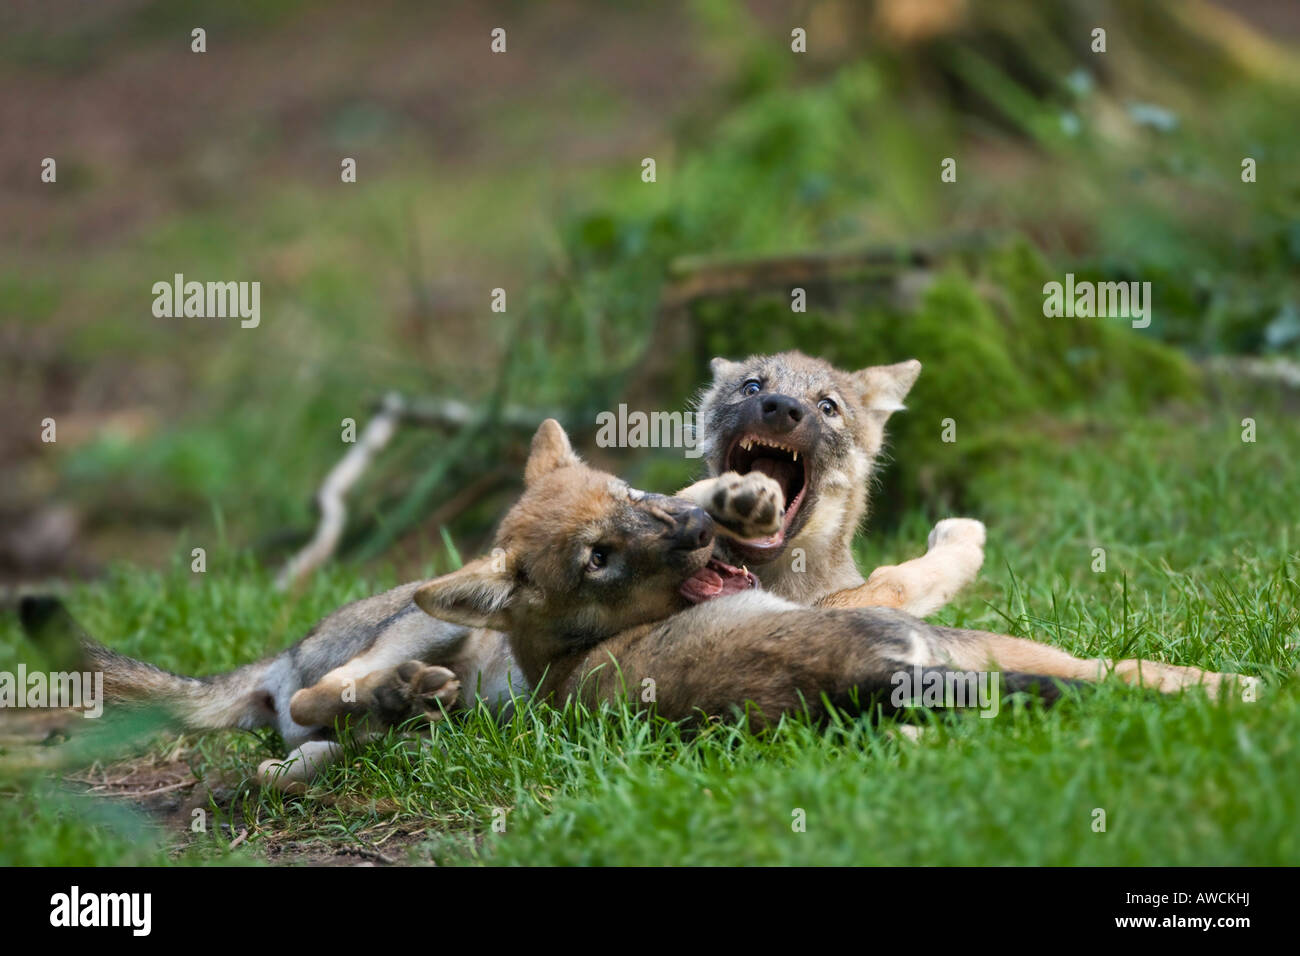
x=796 y=455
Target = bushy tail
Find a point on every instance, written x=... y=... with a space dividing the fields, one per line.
x=233 y=699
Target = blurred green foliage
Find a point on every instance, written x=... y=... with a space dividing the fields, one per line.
x=1061 y=167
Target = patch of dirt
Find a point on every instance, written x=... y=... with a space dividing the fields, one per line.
x=146 y=128
x=161 y=784
x=392 y=849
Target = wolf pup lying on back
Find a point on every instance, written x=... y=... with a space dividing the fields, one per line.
x=381 y=660
x=588 y=572
x=808 y=426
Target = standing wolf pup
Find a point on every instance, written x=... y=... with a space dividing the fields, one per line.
x=601 y=587
x=797 y=420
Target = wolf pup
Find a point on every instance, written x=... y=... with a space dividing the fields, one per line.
x=817 y=432
x=588 y=572
x=381 y=661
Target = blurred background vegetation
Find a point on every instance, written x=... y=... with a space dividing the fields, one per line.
x=522 y=171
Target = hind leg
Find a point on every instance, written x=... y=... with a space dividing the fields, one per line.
x=300 y=767
x=923 y=585
x=380 y=698
x=386 y=695
x=975 y=649
x=412 y=689
x=1172 y=677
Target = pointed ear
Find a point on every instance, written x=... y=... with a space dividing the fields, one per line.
x=478 y=595
x=551 y=450
x=885 y=386
x=724 y=368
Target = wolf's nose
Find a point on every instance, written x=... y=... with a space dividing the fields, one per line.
x=693 y=530
x=781 y=412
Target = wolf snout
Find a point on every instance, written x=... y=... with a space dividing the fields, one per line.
x=781 y=413
x=692 y=529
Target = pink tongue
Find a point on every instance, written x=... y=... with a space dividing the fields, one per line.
x=702 y=585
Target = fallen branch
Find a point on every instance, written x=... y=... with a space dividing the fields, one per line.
x=330 y=499
x=452 y=413
x=135 y=794
x=394 y=410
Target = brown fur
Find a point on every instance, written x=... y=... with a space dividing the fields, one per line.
x=839 y=443
x=577 y=629
x=380 y=661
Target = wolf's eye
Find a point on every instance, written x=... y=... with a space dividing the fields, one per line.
x=828 y=408
x=598 y=559
x=751 y=387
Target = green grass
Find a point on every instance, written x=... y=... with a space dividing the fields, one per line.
x=1199 y=530
x=383 y=286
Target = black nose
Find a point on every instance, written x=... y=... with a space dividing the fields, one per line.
x=692 y=529
x=781 y=412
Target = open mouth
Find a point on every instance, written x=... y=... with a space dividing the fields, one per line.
x=716 y=579
x=783 y=464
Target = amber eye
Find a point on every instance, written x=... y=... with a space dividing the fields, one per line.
x=599 y=556
x=751 y=387
x=828 y=408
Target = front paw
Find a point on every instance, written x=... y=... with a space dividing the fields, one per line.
x=748 y=506
x=958 y=532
